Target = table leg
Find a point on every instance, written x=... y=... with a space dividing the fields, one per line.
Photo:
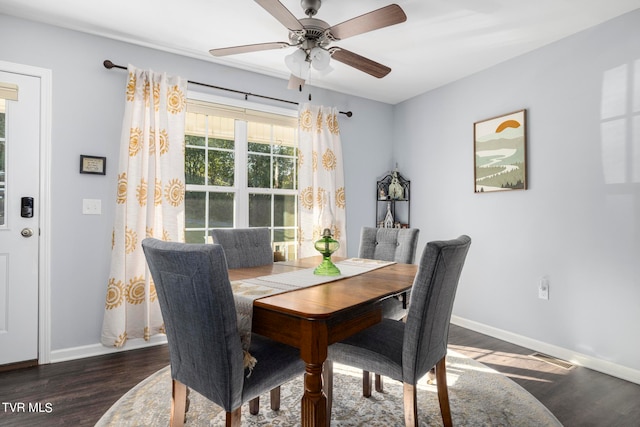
x=314 y=402
x=314 y=352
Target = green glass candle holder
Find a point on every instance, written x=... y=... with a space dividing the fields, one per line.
x=326 y=245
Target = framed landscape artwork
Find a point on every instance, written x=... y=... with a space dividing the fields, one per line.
x=500 y=149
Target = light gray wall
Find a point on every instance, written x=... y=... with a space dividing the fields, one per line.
x=88 y=103
x=579 y=221
x=574 y=224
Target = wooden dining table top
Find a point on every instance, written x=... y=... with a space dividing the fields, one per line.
x=324 y=300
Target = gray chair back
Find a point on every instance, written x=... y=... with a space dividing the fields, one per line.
x=432 y=295
x=199 y=313
x=245 y=247
x=389 y=244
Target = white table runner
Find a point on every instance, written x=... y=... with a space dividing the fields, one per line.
x=247 y=290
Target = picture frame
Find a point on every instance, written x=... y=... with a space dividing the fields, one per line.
x=500 y=153
x=93 y=165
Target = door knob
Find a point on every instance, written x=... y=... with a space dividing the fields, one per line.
x=26 y=232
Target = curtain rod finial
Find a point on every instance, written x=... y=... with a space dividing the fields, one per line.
x=107 y=64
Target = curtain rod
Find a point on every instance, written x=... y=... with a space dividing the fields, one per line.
x=109 y=65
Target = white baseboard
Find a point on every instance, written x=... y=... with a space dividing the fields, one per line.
x=579 y=359
x=604 y=366
x=92 y=350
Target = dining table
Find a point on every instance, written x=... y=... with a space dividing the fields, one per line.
x=312 y=318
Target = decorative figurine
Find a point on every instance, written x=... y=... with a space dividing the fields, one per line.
x=388 y=219
x=396 y=191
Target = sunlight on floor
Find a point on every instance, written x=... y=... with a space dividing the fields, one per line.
x=515 y=366
x=531 y=369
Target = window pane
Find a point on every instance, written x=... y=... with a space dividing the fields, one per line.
x=284 y=211
x=256 y=147
x=194 y=140
x=284 y=235
x=221 y=143
x=195 y=209
x=194 y=166
x=259 y=210
x=221 y=210
x=221 y=168
x=283 y=173
x=258 y=169
x=283 y=150
x=195 y=236
x=284 y=242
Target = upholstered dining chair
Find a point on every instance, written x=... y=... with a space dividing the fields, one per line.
x=388 y=244
x=245 y=247
x=198 y=309
x=406 y=351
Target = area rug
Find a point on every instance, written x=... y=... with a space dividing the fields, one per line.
x=479 y=396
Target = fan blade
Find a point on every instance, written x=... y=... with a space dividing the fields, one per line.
x=248 y=48
x=281 y=13
x=359 y=62
x=380 y=18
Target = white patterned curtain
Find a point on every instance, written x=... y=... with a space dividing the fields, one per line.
x=149 y=201
x=321 y=178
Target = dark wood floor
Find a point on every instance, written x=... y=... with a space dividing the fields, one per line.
x=77 y=393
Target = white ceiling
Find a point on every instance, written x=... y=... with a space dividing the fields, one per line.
x=441 y=41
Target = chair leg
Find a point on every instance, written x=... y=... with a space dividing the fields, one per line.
x=327 y=386
x=275 y=398
x=178 y=403
x=254 y=406
x=443 y=394
x=186 y=408
x=366 y=383
x=431 y=375
x=379 y=384
x=410 y=405
x=233 y=418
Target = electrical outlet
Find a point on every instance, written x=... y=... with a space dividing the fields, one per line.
x=543 y=288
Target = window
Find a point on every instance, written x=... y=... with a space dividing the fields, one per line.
x=241 y=171
x=2 y=159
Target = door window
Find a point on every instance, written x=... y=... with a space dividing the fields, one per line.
x=3 y=167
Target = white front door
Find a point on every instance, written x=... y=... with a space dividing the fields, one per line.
x=19 y=228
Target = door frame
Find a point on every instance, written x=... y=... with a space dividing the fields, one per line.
x=44 y=201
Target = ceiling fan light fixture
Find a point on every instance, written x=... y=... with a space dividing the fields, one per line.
x=319 y=58
x=297 y=64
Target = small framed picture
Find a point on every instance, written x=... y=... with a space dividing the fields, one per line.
x=93 y=165
x=500 y=146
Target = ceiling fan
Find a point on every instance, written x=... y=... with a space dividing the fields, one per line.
x=313 y=36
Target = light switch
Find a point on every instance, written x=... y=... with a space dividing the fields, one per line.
x=91 y=206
